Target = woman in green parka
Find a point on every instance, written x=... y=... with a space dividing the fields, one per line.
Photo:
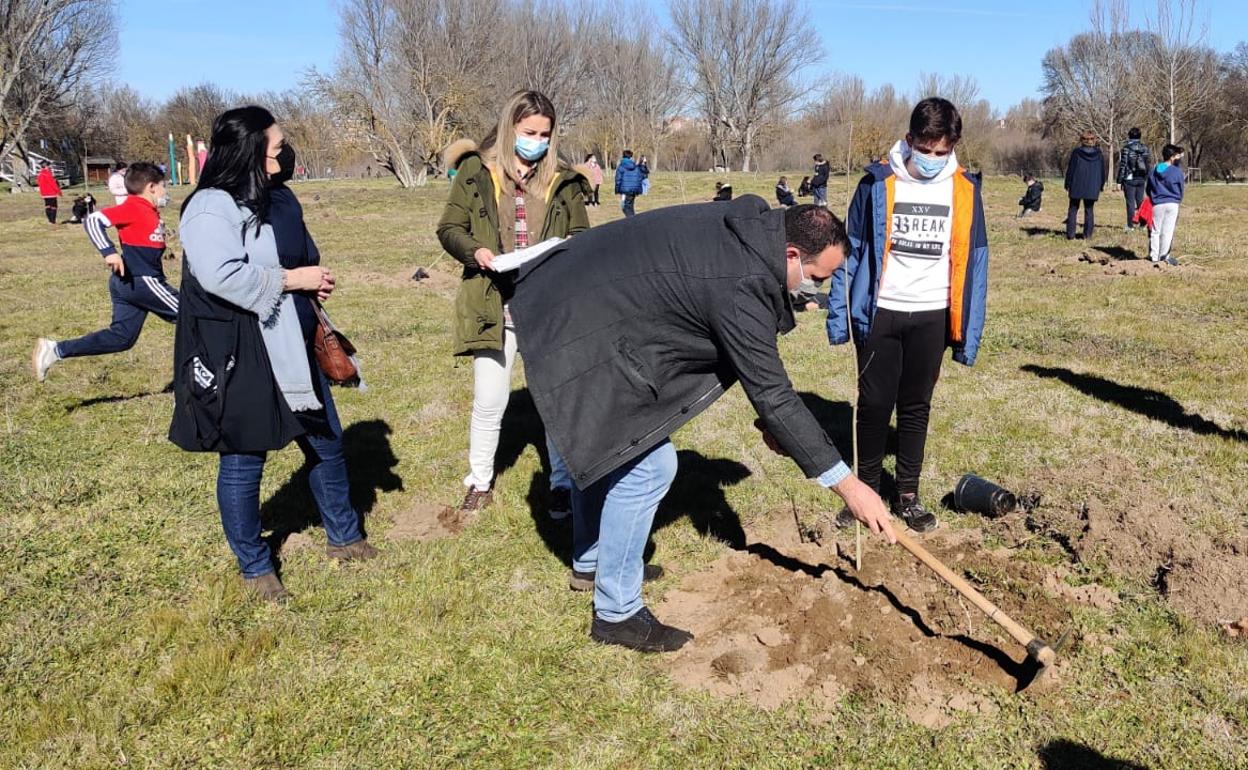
x=510 y=194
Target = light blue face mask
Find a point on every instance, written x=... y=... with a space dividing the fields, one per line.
x=531 y=149
x=928 y=166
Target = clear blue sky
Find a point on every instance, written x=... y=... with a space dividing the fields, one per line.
x=260 y=45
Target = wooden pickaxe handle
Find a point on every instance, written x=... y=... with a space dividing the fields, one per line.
x=1035 y=646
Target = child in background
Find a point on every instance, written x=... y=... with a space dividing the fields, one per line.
x=784 y=193
x=49 y=190
x=1031 y=198
x=137 y=284
x=1165 y=190
x=117 y=184
x=84 y=206
x=723 y=192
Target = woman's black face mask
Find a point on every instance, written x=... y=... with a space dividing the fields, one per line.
x=286 y=165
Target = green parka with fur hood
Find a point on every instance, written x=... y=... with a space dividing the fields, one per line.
x=470 y=222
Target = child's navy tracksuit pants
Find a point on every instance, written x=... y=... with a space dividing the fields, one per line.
x=134 y=296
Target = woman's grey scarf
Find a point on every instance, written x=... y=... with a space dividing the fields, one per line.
x=245 y=271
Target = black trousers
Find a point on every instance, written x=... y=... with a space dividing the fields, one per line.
x=1133 y=191
x=1089 y=222
x=898 y=366
x=49 y=209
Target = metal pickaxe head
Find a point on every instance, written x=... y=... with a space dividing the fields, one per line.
x=1040 y=658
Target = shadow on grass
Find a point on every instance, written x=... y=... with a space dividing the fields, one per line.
x=1068 y=755
x=116 y=399
x=1035 y=231
x=1152 y=404
x=1120 y=253
x=370 y=463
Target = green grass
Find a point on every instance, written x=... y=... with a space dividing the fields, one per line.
x=126 y=640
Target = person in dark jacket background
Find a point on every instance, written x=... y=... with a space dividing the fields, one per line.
x=632 y=329
x=245 y=379
x=784 y=193
x=819 y=182
x=1086 y=174
x=1134 y=161
x=628 y=179
x=723 y=192
x=1032 y=198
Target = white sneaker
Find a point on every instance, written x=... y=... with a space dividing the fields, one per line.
x=42 y=358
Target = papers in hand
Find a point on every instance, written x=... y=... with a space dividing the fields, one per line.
x=515 y=259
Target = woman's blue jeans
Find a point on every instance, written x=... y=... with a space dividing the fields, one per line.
x=238 y=494
x=611 y=523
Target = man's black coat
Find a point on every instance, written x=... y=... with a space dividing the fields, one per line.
x=631 y=329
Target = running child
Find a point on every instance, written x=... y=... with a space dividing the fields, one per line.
x=137 y=284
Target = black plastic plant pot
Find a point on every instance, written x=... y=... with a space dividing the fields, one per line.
x=976 y=495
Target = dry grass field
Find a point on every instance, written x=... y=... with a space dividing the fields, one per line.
x=1111 y=394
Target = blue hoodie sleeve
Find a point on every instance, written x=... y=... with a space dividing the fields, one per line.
x=858 y=227
x=977 y=293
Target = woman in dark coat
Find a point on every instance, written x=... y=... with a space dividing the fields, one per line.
x=1086 y=174
x=245 y=379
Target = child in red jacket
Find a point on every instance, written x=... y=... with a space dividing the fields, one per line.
x=49 y=190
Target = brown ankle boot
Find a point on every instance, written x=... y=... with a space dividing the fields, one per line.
x=268 y=587
x=475 y=500
x=357 y=551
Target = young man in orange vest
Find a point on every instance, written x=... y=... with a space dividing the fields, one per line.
x=917 y=272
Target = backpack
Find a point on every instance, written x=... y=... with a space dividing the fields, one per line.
x=1139 y=166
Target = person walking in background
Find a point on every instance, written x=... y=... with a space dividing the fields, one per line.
x=1086 y=174
x=819 y=182
x=245 y=380
x=917 y=278
x=723 y=192
x=628 y=180
x=1134 y=162
x=137 y=284
x=595 y=178
x=1031 y=199
x=49 y=190
x=1165 y=189
x=784 y=193
x=644 y=167
x=117 y=184
x=510 y=194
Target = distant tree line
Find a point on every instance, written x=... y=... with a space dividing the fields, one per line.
x=736 y=84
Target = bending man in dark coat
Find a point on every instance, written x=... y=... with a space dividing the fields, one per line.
x=630 y=330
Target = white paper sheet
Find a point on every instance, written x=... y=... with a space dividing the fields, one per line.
x=515 y=259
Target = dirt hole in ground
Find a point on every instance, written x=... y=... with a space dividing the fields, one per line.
x=424 y=521
x=788 y=621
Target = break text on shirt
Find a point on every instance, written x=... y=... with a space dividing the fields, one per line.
x=920 y=229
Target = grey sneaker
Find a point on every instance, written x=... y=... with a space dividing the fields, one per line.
x=910 y=510
x=475 y=500
x=360 y=550
x=1172 y=261
x=268 y=587
x=584 y=581
x=43 y=357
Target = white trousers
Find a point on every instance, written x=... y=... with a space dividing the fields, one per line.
x=491 y=390
x=1165 y=217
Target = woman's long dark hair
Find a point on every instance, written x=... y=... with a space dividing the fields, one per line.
x=237 y=158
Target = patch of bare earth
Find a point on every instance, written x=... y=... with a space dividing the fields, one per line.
x=423 y=521
x=786 y=621
x=1148 y=540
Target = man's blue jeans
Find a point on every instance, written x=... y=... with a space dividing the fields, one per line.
x=610 y=525
x=238 y=494
x=821 y=195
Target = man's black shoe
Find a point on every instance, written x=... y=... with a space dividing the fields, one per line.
x=910 y=510
x=584 y=581
x=642 y=632
x=845 y=519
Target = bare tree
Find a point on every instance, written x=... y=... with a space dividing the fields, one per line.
x=401 y=90
x=192 y=110
x=745 y=57
x=1184 y=71
x=47 y=50
x=632 y=91
x=1088 y=82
